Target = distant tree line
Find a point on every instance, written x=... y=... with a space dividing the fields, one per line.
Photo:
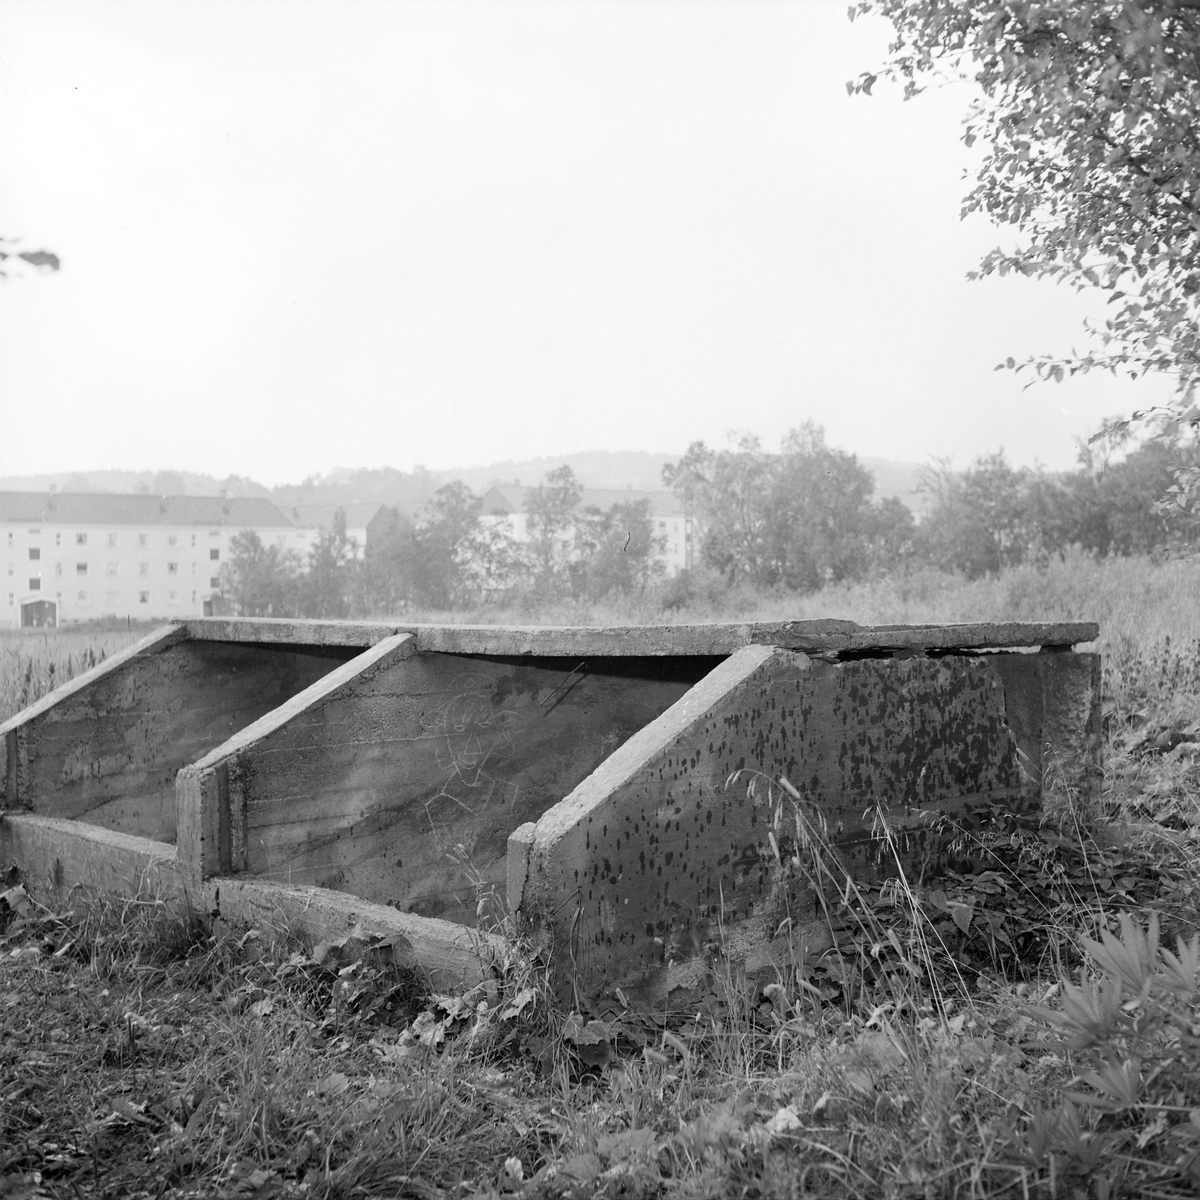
x=797 y=520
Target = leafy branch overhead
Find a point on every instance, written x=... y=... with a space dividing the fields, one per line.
x=42 y=260
x=1089 y=116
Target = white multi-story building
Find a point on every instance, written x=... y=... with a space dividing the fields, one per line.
x=507 y=505
x=77 y=557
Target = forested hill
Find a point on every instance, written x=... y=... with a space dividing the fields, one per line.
x=409 y=490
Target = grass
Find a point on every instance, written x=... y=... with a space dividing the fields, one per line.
x=1023 y=1026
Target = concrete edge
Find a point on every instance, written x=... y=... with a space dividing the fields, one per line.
x=825 y=635
x=285 y=631
x=630 y=757
x=382 y=654
x=53 y=854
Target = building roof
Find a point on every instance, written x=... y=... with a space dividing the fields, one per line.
x=320 y=516
x=506 y=498
x=108 y=508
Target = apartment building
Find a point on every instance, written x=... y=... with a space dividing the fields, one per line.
x=75 y=557
x=508 y=504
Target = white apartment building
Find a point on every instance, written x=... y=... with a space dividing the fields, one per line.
x=508 y=504
x=76 y=557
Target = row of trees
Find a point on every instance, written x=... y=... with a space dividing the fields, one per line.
x=453 y=556
x=795 y=519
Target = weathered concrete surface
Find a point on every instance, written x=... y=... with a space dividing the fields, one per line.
x=105 y=748
x=57 y=855
x=827 y=637
x=824 y=637
x=373 y=780
x=653 y=860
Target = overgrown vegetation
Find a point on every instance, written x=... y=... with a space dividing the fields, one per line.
x=1022 y=1023
x=790 y=525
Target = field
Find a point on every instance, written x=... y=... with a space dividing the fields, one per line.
x=1024 y=1027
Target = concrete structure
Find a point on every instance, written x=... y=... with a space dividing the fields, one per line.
x=507 y=506
x=78 y=556
x=366 y=777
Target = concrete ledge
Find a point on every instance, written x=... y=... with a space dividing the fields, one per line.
x=810 y=637
x=53 y=854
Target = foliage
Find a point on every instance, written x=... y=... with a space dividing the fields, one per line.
x=800 y=519
x=41 y=260
x=260 y=580
x=616 y=550
x=552 y=508
x=1089 y=113
x=323 y=586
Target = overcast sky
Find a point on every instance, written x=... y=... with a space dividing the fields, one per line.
x=304 y=235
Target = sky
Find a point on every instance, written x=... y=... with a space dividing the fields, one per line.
x=306 y=235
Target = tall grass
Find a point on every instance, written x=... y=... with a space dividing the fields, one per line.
x=34 y=662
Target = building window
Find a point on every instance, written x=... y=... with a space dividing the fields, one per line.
x=111 y=570
x=110 y=599
x=10 y=568
x=173 y=597
x=214 y=582
x=10 y=537
x=193 y=598
x=193 y=538
x=81 y=568
x=35 y=532
x=35 y=584
x=81 y=539
x=58 y=539
x=143 y=568
x=172 y=538
x=214 y=554
x=143 y=597
x=112 y=539
x=83 y=598
x=35 y=552
x=58 y=568
x=12 y=596
x=172 y=568
x=143 y=539
x=214 y=533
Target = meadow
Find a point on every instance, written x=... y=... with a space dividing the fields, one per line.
x=1024 y=1026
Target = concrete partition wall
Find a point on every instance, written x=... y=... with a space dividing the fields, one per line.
x=656 y=861
x=105 y=747
x=400 y=777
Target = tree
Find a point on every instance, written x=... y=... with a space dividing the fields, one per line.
x=980 y=522
x=800 y=518
x=386 y=583
x=552 y=506
x=259 y=580
x=1090 y=110
x=326 y=587
x=41 y=260
x=616 y=550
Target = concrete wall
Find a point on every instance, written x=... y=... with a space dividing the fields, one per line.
x=330 y=767
x=106 y=748
x=377 y=780
x=656 y=859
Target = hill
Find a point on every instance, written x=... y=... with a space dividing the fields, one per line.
x=409 y=490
